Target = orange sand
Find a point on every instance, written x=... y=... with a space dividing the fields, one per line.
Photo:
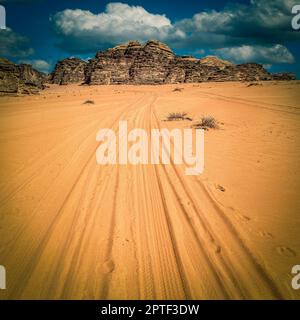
x=73 y=229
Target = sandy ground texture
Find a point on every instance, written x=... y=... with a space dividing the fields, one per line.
x=73 y=229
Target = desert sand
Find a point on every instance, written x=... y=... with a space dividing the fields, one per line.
x=73 y=229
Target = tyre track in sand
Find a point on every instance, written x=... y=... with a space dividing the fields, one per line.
x=227 y=269
x=20 y=283
x=126 y=231
x=253 y=103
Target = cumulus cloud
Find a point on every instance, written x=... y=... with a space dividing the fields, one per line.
x=40 y=65
x=255 y=23
x=14 y=45
x=256 y=29
x=83 y=31
x=262 y=54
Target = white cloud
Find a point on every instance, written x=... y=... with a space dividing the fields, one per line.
x=244 y=32
x=40 y=65
x=267 y=66
x=259 y=22
x=119 y=23
x=211 y=21
x=13 y=44
x=262 y=54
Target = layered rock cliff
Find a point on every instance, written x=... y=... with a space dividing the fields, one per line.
x=71 y=70
x=155 y=63
x=19 y=79
x=284 y=76
x=132 y=63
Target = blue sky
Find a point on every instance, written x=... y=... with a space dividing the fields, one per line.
x=44 y=31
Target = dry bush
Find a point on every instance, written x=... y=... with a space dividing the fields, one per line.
x=176 y=116
x=89 y=102
x=178 y=89
x=254 y=84
x=207 y=123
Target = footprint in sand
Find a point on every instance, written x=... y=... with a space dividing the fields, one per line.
x=220 y=188
x=286 y=251
x=218 y=249
x=246 y=218
x=240 y=215
x=266 y=234
x=108 y=266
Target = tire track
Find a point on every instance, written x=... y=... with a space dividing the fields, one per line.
x=250 y=103
x=146 y=119
x=256 y=266
x=54 y=153
x=25 y=274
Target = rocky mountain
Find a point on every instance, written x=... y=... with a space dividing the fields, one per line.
x=155 y=63
x=132 y=63
x=215 y=62
x=71 y=70
x=19 y=79
x=285 y=76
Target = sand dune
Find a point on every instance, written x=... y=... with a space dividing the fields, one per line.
x=73 y=229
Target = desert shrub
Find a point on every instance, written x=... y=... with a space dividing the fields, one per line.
x=178 y=89
x=89 y=102
x=176 y=116
x=207 y=123
x=254 y=84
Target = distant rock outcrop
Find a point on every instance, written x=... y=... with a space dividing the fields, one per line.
x=19 y=79
x=132 y=63
x=155 y=63
x=71 y=70
x=151 y=64
x=213 y=61
x=112 y=66
x=285 y=76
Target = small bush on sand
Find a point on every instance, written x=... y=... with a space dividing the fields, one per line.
x=176 y=116
x=254 y=84
x=207 y=123
x=89 y=102
x=177 y=89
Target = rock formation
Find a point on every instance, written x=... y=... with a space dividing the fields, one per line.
x=132 y=63
x=155 y=63
x=113 y=66
x=71 y=70
x=213 y=61
x=151 y=64
x=19 y=79
x=285 y=76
